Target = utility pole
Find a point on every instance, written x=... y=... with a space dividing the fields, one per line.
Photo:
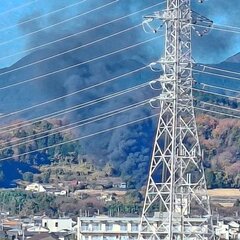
x=176 y=203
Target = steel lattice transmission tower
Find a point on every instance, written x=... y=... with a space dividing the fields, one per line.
x=176 y=203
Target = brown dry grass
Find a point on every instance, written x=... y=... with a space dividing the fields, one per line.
x=224 y=192
x=99 y=192
x=227 y=205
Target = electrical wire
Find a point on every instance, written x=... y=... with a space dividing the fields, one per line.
x=58 y=23
x=18 y=7
x=75 y=125
x=225 y=30
x=67 y=95
x=216 y=112
x=72 y=93
x=219 y=106
x=79 y=64
x=44 y=15
x=71 y=109
x=217 y=94
x=216 y=28
x=218 y=69
x=220 y=88
x=216 y=74
x=83 y=137
x=70 y=50
x=83 y=31
x=226 y=26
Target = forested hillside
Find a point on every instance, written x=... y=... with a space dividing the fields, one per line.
x=20 y=149
x=220 y=140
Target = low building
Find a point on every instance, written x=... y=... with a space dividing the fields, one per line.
x=222 y=230
x=58 y=225
x=227 y=230
x=106 y=197
x=126 y=228
x=60 y=193
x=35 y=187
x=109 y=228
x=121 y=185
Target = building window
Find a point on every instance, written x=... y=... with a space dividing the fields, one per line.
x=96 y=237
x=96 y=227
x=124 y=238
x=109 y=238
x=84 y=227
x=123 y=227
x=134 y=227
x=109 y=226
x=56 y=224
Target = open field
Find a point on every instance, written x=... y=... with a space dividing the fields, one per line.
x=224 y=197
x=224 y=192
x=99 y=192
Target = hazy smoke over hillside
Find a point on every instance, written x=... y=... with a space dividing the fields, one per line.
x=129 y=145
x=126 y=145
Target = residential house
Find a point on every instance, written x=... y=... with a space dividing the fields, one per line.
x=58 y=225
x=35 y=187
x=227 y=230
x=121 y=185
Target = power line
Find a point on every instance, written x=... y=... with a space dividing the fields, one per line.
x=79 y=64
x=83 y=122
x=220 y=88
x=77 y=124
x=216 y=28
x=219 y=106
x=216 y=112
x=58 y=23
x=224 y=30
x=218 y=69
x=214 y=93
x=44 y=15
x=83 y=31
x=226 y=26
x=71 y=50
x=18 y=7
x=71 y=94
x=83 y=137
x=71 y=109
x=215 y=74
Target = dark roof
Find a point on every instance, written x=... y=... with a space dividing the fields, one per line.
x=43 y=236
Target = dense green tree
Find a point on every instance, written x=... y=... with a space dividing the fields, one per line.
x=28 y=176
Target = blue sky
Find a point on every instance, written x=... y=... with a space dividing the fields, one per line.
x=10 y=18
x=220 y=11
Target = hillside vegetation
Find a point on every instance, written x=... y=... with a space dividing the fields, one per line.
x=220 y=140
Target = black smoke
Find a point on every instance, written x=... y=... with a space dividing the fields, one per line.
x=128 y=147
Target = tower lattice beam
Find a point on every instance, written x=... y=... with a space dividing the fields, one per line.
x=176 y=203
